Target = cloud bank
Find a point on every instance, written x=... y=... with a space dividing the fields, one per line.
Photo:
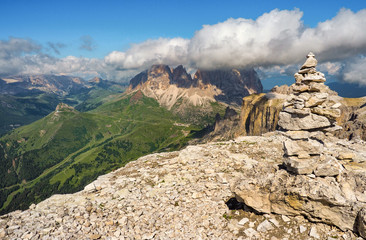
x=275 y=40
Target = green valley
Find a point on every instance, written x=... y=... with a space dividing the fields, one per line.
x=67 y=149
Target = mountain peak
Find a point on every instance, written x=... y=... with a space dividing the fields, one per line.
x=95 y=80
x=63 y=107
x=167 y=85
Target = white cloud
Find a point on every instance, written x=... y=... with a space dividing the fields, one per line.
x=355 y=71
x=276 y=40
x=15 y=47
x=143 y=55
x=243 y=42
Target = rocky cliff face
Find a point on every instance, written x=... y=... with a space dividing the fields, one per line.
x=234 y=84
x=169 y=86
x=260 y=113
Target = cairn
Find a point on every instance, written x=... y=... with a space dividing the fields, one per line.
x=308 y=117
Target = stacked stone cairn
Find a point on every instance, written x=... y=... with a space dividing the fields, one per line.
x=307 y=119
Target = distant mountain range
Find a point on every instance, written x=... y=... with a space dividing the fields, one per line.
x=161 y=110
x=197 y=97
x=25 y=99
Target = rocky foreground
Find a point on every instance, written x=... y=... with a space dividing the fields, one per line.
x=187 y=195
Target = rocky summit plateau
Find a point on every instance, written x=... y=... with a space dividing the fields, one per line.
x=300 y=181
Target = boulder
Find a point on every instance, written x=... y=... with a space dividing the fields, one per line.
x=320 y=199
x=295 y=122
x=300 y=166
x=293 y=148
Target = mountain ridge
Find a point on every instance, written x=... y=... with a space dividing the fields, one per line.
x=169 y=85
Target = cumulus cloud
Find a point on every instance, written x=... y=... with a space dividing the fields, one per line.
x=275 y=41
x=87 y=43
x=14 y=47
x=143 y=55
x=278 y=38
x=355 y=71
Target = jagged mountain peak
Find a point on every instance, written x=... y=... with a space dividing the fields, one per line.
x=168 y=85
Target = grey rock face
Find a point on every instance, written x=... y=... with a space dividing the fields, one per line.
x=361 y=223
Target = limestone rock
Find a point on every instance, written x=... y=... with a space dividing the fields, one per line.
x=297 y=135
x=346 y=156
x=264 y=226
x=314 y=101
x=310 y=61
x=314 y=233
x=297 y=111
x=300 y=165
x=329 y=168
x=295 y=123
x=315 y=77
x=329 y=113
x=293 y=148
x=361 y=223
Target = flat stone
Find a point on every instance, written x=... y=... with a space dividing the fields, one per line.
x=300 y=112
x=305 y=95
x=346 y=156
x=302 y=228
x=243 y=221
x=314 y=77
x=314 y=101
x=311 y=147
x=297 y=135
x=275 y=222
x=264 y=226
x=300 y=88
x=300 y=166
x=285 y=218
x=327 y=112
x=329 y=168
x=318 y=135
x=314 y=233
x=336 y=105
x=295 y=122
x=317 y=87
x=250 y=232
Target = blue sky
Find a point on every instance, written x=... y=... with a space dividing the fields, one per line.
x=114 y=25
x=115 y=37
